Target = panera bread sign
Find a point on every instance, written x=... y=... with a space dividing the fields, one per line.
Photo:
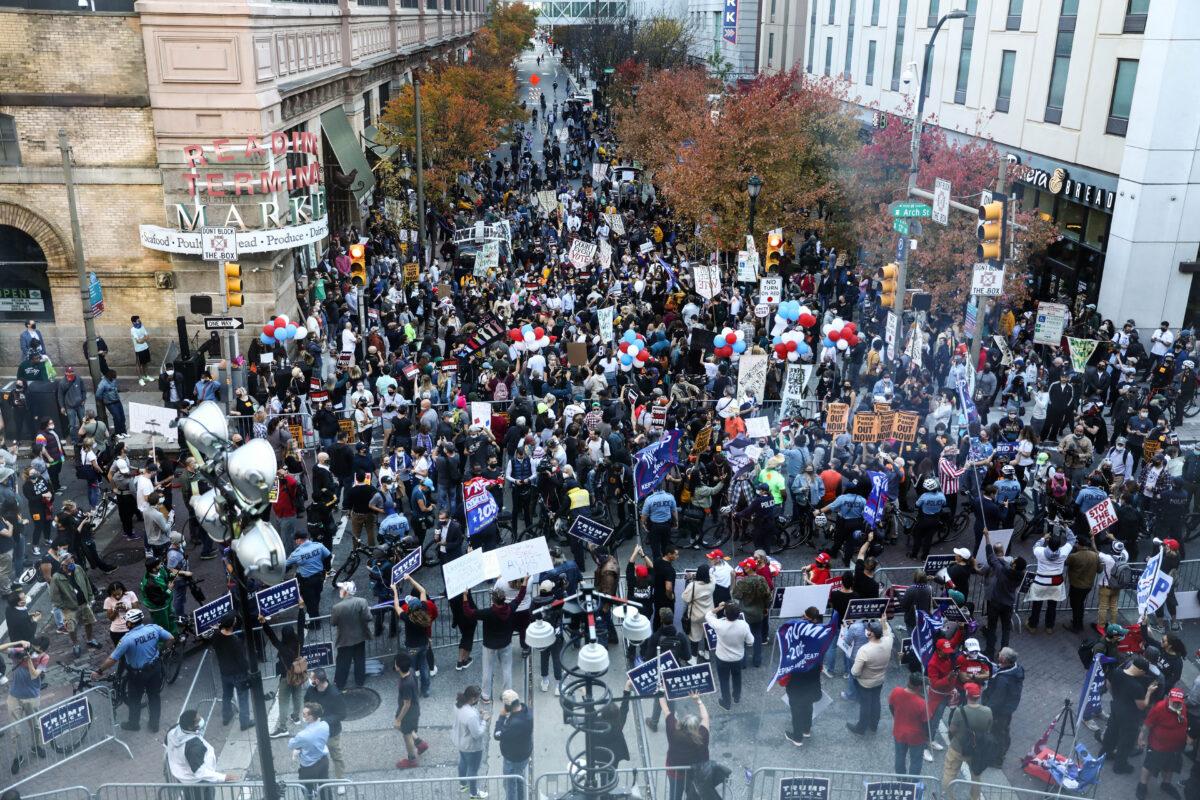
x=228 y=190
x=1059 y=182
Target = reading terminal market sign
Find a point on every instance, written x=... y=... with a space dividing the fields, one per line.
x=220 y=193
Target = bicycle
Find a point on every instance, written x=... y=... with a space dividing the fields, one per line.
x=353 y=561
x=172 y=655
x=115 y=686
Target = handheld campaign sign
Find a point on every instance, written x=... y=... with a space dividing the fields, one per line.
x=710 y=636
x=893 y=790
x=208 y=615
x=590 y=531
x=681 y=682
x=318 y=655
x=865 y=608
x=406 y=566
x=64 y=717
x=804 y=789
x=644 y=677
x=949 y=609
x=280 y=597
x=935 y=564
x=802 y=645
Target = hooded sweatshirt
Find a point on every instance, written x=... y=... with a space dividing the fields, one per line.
x=190 y=758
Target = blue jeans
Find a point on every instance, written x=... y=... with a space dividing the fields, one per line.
x=513 y=790
x=468 y=767
x=93 y=493
x=117 y=412
x=908 y=759
x=240 y=684
x=447 y=497
x=420 y=660
x=831 y=658
x=752 y=656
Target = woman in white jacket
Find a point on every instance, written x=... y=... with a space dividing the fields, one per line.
x=1049 y=584
x=191 y=759
x=698 y=601
x=469 y=735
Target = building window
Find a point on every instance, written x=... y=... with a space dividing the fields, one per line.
x=828 y=55
x=385 y=94
x=1062 y=61
x=431 y=5
x=898 y=54
x=770 y=47
x=1008 y=63
x=1013 y=23
x=870 y=63
x=1135 y=16
x=964 y=54
x=1122 y=97
x=366 y=98
x=932 y=18
x=832 y=12
x=849 y=41
x=874 y=12
x=10 y=150
x=812 y=37
x=772 y=9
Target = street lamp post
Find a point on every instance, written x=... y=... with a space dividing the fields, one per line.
x=914 y=164
x=420 y=171
x=753 y=187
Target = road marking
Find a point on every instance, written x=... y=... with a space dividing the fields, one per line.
x=341 y=531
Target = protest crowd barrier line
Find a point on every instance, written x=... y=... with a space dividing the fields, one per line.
x=23 y=736
x=651 y=783
x=765 y=782
x=961 y=790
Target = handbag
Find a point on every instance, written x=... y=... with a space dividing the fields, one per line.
x=298 y=672
x=687 y=620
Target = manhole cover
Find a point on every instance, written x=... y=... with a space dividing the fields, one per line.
x=360 y=702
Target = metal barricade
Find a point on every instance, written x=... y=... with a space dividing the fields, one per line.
x=765 y=782
x=38 y=743
x=961 y=790
x=650 y=783
x=421 y=788
x=242 y=790
x=66 y=793
x=204 y=692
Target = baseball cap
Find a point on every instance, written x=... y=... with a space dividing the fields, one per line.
x=546 y=586
x=972 y=689
x=971 y=645
x=641 y=570
x=1176 y=695
x=962 y=552
x=508 y=697
x=718 y=553
x=945 y=646
x=1113 y=629
x=822 y=557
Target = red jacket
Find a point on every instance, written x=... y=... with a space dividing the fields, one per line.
x=910 y=713
x=940 y=681
x=285 y=503
x=1167 y=733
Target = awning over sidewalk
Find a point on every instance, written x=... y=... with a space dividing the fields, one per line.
x=382 y=151
x=349 y=152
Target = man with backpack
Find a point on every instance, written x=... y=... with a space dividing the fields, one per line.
x=970 y=740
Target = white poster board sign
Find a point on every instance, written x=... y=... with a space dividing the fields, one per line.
x=798 y=598
x=157 y=420
x=481 y=414
x=758 y=427
x=708 y=281
x=752 y=376
x=1001 y=537
x=520 y=559
x=464 y=572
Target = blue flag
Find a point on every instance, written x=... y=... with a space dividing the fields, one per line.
x=924 y=634
x=672 y=278
x=968 y=405
x=802 y=645
x=873 y=514
x=1091 y=696
x=654 y=461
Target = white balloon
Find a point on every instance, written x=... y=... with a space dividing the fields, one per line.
x=793 y=356
x=529 y=336
x=826 y=328
x=301 y=332
x=842 y=344
x=778 y=327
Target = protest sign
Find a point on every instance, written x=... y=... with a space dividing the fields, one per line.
x=548 y=200
x=463 y=573
x=577 y=355
x=605 y=256
x=208 y=615
x=317 y=655
x=758 y=427
x=935 y=564
x=488 y=258
x=1081 y=351
x=905 y=425
x=866 y=427
x=893 y=790
x=522 y=559
x=412 y=272
x=481 y=413
x=680 y=682
x=280 y=597
x=582 y=253
x=645 y=247
x=1006 y=356
x=703 y=440
x=644 y=677
x=1101 y=516
x=949 y=609
x=590 y=531
x=616 y=222
x=710 y=636
x=747 y=267
x=804 y=788
x=599 y=171
x=794 y=391
x=606 y=317
x=865 y=608
x=999 y=537
x=406 y=566
x=707 y=280
x=802 y=646
x=752 y=377
x=836 y=417
x=798 y=598
x=887 y=424
x=478 y=504
x=63 y=718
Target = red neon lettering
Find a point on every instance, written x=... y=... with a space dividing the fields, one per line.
x=222 y=157
x=194 y=153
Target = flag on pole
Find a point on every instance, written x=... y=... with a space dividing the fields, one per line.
x=1091 y=701
x=924 y=633
x=968 y=405
x=873 y=513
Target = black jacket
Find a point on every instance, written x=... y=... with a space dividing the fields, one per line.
x=324 y=488
x=514 y=731
x=332 y=704
x=1003 y=692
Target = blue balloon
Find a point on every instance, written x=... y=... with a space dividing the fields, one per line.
x=630 y=336
x=827 y=343
x=267 y=340
x=803 y=349
x=777 y=340
x=626 y=359
x=739 y=347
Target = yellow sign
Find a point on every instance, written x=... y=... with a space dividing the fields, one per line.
x=836 y=416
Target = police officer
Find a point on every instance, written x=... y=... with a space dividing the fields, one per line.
x=850 y=507
x=139 y=650
x=311 y=560
x=1008 y=489
x=660 y=514
x=930 y=506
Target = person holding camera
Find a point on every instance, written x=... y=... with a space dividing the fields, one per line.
x=514 y=732
x=25 y=691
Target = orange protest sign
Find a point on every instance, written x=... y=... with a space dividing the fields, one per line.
x=905 y=426
x=866 y=427
x=836 y=417
x=887 y=422
x=882 y=407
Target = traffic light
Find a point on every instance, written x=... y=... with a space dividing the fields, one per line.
x=889 y=274
x=774 y=251
x=358 y=265
x=233 y=284
x=993 y=225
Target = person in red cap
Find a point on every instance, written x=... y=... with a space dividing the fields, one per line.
x=942 y=674
x=817 y=573
x=1164 y=736
x=722 y=575
x=969 y=725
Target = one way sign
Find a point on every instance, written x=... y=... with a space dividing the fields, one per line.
x=223 y=324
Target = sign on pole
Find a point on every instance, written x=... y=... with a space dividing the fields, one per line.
x=912 y=210
x=95 y=295
x=223 y=323
x=707 y=280
x=987 y=281
x=1049 y=324
x=941 y=202
x=900 y=226
x=770 y=289
x=218 y=244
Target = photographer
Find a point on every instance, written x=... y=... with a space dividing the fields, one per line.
x=514 y=731
x=80 y=530
x=25 y=692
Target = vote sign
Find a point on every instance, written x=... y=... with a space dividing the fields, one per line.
x=681 y=682
x=865 y=608
x=804 y=789
x=208 y=615
x=949 y=609
x=318 y=655
x=277 y=598
x=590 y=531
x=406 y=566
x=644 y=677
x=67 y=716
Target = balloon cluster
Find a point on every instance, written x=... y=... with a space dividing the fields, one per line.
x=728 y=342
x=633 y=350
x=840 y=334
x=529 y=338
x=280 y=330
x=789 y=313
x=790 y=345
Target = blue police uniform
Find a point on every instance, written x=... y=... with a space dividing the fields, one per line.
x=930 y=506
x=659 y=510
x=850 y=508
x=310 y=559
x=138 y=649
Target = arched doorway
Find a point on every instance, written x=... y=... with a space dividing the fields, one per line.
x=24 y=282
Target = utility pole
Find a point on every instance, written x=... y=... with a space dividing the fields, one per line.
x=420 y=172
x=985 y=302
x=89 y=324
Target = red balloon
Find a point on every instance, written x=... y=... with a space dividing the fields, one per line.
x=850 y=327
x=791 y=346
x=539 y=332
x=515 y=334
x=534 y=79
x=624 y=346
x=781 y=350
x=807 y=320
x=730 y=338
x=643 y=355
x=269 y=329
x=834 y=335
x=853 y=340
x=725 y=352
x=280 y=322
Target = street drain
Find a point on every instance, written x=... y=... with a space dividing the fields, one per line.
x=360 y=702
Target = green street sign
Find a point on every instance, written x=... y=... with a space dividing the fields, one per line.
x=609 y=70
x=910 y=210
x=900 y=226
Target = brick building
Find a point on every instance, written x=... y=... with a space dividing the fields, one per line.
x=171 y=107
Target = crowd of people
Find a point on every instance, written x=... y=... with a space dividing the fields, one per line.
x=583 y=361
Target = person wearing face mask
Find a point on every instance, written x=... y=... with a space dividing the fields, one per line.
x=141 y=347
x=72 y=395
x=1139 y=428
x=72 y=592
x=48 y=444
x=191 y=759
x=1121 y=461
x=170 y=384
